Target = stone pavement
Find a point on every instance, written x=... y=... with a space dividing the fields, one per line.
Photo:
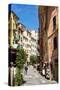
x=34 y=78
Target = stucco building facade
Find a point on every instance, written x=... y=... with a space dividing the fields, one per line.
x=48 y=40
x=19 y=36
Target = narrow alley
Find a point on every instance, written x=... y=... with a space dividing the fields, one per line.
x=34 y=78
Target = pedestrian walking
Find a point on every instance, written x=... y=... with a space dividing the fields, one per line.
x=26 y=69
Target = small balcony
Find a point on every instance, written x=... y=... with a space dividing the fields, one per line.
x=29 y=43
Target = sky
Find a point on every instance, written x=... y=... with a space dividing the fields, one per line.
x=28 y=15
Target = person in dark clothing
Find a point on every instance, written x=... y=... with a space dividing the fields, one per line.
x=26 y=68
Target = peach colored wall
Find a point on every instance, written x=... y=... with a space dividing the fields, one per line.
x=51 y=13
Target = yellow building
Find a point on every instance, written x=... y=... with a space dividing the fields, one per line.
x=12 y=26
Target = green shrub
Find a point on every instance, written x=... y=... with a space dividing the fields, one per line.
x=20 y=58
x=18 y=78
x=20 y=61
x=33 y=59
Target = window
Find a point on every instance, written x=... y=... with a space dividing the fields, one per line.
x=56 y=61
x=21 y=39
x=55 y=42
x=16 y=41
x=54 y=23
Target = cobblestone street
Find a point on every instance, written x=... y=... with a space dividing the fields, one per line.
x=34 y=78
